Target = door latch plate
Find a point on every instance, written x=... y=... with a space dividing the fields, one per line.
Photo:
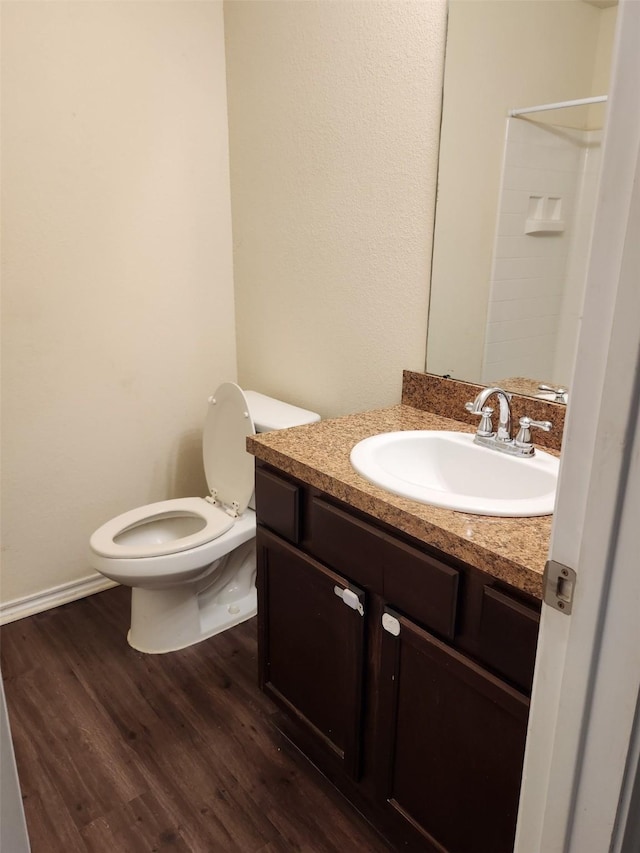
x=559 y=585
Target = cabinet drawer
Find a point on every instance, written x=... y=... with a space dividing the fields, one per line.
x=416 y=583
x=278 y=504
x=423 y=588
x=345 y=543
x=508 y=636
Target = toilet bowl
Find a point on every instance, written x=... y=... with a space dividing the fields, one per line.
x=191 y=561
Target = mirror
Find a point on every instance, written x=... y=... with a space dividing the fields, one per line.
x=516 y=195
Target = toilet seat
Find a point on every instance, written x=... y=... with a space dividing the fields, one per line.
x=203 y=520
x=173 y=526
x=228 y=467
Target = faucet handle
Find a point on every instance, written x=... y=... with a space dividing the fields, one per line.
x=523 y=438
x=558 y=392
x=486 y=426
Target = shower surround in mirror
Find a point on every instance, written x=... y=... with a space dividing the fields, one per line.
x=545 y=215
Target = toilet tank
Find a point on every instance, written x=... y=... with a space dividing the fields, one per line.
x=268 y=414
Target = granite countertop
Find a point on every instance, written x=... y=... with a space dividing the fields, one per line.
x=513 y=550
x=527 y=387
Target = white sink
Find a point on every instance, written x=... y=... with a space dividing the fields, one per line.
x=447 y=469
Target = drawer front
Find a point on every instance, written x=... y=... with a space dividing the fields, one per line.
x=415 y=583
x=423 y=588
x=508 y=636
x=278 y=505
x=347 y=544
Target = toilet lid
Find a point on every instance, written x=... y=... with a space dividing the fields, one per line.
x=228 y=467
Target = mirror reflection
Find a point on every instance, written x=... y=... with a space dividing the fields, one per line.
x=516 y=194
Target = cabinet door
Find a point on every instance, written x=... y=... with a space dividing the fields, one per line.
x=311 y=646
x=452 y=744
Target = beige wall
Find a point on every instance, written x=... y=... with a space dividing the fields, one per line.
x=118 y=315
x=334 y=123
x=602 y=63
x=500 y=55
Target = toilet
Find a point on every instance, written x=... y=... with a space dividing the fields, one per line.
x=191 y=562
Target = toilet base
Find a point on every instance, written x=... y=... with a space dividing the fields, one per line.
x=218 y=618
x=168 y=619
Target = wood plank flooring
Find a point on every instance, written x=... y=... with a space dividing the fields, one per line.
x=120 y=752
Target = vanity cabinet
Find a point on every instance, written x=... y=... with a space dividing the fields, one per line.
x=402 y=673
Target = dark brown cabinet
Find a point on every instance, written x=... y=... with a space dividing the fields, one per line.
x=312 y=646
x=451 y=742
x=402 y=674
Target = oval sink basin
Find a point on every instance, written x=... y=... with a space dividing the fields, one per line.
x=447 y=469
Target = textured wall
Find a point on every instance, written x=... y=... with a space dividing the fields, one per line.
x=334 y=112
x=118 y=312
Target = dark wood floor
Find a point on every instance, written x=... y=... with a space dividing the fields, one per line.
x=124 y=753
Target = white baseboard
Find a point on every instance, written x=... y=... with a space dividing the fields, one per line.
x=18 y=608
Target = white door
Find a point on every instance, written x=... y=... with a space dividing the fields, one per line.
x=13 y=826
x=582 y=748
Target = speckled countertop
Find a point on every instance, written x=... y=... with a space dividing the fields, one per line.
x=513 y=550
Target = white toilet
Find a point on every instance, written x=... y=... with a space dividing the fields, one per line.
x=191 y=562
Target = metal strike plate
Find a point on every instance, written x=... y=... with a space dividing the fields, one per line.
x=559 y=585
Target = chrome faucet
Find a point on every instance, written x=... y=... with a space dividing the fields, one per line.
x=501 y=440
x=504 y=399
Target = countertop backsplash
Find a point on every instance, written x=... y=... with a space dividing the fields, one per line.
x=446 y=397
